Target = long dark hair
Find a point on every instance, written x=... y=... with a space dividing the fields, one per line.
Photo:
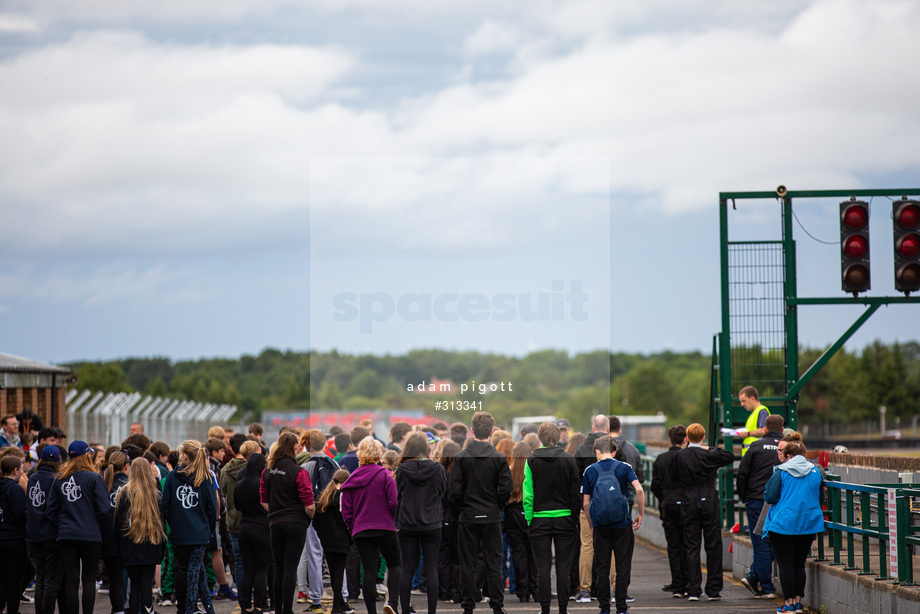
x=285 y=446
x=416 y=447
x=448 y=453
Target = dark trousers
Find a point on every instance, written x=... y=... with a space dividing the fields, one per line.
x=525 y=568
x=254 y=561
x=700 y=521
x=411 y=543
x=620 y=543
x=762 y=567
x=336 y=563
x=116 y=583
x=75 y=554
x=544 y=534
x=191 y=582
x=674 y=535
x=370 y=548
x=48 y=572
x=791 y=552
x=140 y=601
x=12 y=568
x=353 y=572
x=449 y=563
x=484 y=539
x=288 y=539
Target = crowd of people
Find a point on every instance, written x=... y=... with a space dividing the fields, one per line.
x=782 y=493
x=454 y=513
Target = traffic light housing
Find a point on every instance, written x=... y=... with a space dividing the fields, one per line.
x=905 y=215
x=854 y=246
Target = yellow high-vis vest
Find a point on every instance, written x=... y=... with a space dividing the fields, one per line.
x=750 y=426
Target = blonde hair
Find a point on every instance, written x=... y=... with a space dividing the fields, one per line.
x=498 y=436
x=216 y=432
x=144 y=523
x=325 y=499
x=83 y=462
x=249 y=448
x=198 y=465
x=368 y=451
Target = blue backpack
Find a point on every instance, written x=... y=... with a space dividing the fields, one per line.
x=609 y=504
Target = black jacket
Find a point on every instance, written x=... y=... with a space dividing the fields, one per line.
x=553 y=476
x=480 y=483
x=420 y=487
x=696 y=472
x=664 y=477
x=144 y=553
x=756 y=467
x=584 y=454
x=13 y=503
x=246 y=497
x=330 y=526
x=628 y=453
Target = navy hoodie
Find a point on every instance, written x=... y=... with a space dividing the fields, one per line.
x=190 y=510
x=80 y=503
x=40 y=527
x=109 y=545
x=13 y=503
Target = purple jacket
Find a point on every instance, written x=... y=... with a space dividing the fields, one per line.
x=369 y=500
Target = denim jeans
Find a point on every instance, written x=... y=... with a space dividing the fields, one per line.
x=762 y=568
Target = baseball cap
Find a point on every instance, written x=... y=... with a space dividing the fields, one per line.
x=77 y=448
x=563 y=422
x=51 y=453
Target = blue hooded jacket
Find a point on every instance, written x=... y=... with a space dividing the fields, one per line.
x=79 y=504
x=190 y=510
x=40 y=527
x=795 y=493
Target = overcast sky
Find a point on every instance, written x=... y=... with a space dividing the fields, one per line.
x=204 y=178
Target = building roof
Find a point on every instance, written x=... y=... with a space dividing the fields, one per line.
x=17 y=364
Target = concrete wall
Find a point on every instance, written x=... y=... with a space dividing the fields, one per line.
x=836 y=590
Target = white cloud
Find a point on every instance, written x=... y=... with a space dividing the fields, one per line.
x=116 y=139
x=17 y=24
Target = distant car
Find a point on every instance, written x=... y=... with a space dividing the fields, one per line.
x=893 y=434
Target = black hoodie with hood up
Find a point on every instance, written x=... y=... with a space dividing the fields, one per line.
x=420 y=488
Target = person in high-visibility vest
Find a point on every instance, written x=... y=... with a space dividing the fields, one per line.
x=755 y=426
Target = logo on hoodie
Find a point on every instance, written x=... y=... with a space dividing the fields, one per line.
x=187 y=496
x=114 y=495
x=37 y=495
x=71 y=490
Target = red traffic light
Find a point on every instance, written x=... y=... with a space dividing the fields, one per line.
x=907 y=215
x=855 y=246
x=855 y=216
x=908 y=246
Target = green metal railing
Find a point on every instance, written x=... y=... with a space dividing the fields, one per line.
x=908 y=535
x=843 y=499
x=651 y=501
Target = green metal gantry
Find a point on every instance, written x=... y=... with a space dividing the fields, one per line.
x=770 y=337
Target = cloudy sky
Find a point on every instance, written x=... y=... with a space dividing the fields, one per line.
x=209 y=178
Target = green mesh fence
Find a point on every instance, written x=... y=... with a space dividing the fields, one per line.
x=756 y=316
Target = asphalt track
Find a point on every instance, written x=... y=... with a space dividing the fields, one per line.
x=649 y=574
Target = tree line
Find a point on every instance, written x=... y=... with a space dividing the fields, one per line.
x=850 y=387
